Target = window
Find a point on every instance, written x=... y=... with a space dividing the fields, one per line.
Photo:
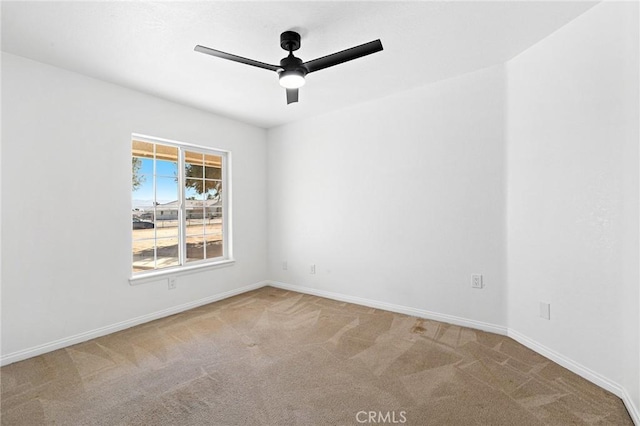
x=179 y=205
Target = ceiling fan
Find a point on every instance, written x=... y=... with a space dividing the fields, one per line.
x=292 y=70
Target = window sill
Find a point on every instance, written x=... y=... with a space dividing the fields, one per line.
x=164 y=274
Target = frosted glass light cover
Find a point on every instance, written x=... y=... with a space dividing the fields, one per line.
x=291 y=80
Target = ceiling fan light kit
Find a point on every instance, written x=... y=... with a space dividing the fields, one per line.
x=292 y=71
x=291 y=79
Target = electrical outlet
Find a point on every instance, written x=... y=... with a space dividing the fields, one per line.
x=284 y=265
x=312 y=270
x=476 y=281
x=545 y=310
x=172 y=283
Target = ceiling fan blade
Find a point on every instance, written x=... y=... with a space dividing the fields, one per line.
x=343 y=56
x=292 y=96
x=235 y=58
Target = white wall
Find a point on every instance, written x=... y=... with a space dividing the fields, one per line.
x=66 y=203
x=573 y=192
x=398 y=200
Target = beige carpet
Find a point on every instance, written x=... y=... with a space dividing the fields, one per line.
x=273 y=357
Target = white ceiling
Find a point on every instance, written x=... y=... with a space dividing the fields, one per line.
x=148 y=46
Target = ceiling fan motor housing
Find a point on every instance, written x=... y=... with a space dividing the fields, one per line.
x=290 y=41
x=293 y=64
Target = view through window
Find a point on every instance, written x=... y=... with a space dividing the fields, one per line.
x=178 y=205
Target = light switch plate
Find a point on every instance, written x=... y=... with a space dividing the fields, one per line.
x=545 y=310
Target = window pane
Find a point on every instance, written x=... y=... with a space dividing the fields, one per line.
x=194 y=209
x=215 y=211
x=194 y=171
x=214 y=246
x=142 y=194
x=213 y=173
x=212 y=160
x=166 y=168
x=145 y=166
x=166 y=222
x=193 y=158
x=142 y=214
x=167 y=153
x=195 y=227
x=141 y=178
x=143 y=229
x=213 y=190
x=167 y=252
x=143 y=255
x=166 y=192
x=166 y=161
x=145 y=214
x=195 y=248
x=214 y=226
x=195 y=216
x=191 y=194
x=194 y=189
x=213 y=166
x=142 y=149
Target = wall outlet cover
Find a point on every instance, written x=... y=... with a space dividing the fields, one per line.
x=476 y=281
x=172 y=283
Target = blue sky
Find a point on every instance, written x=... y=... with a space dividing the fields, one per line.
x=166 y=184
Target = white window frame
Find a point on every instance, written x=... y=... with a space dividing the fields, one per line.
x=227 y=237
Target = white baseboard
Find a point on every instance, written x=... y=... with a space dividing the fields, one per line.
x=569 y=364
x=633 y=409
x=451 y=319
x=580 y=370
x=102 y=331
